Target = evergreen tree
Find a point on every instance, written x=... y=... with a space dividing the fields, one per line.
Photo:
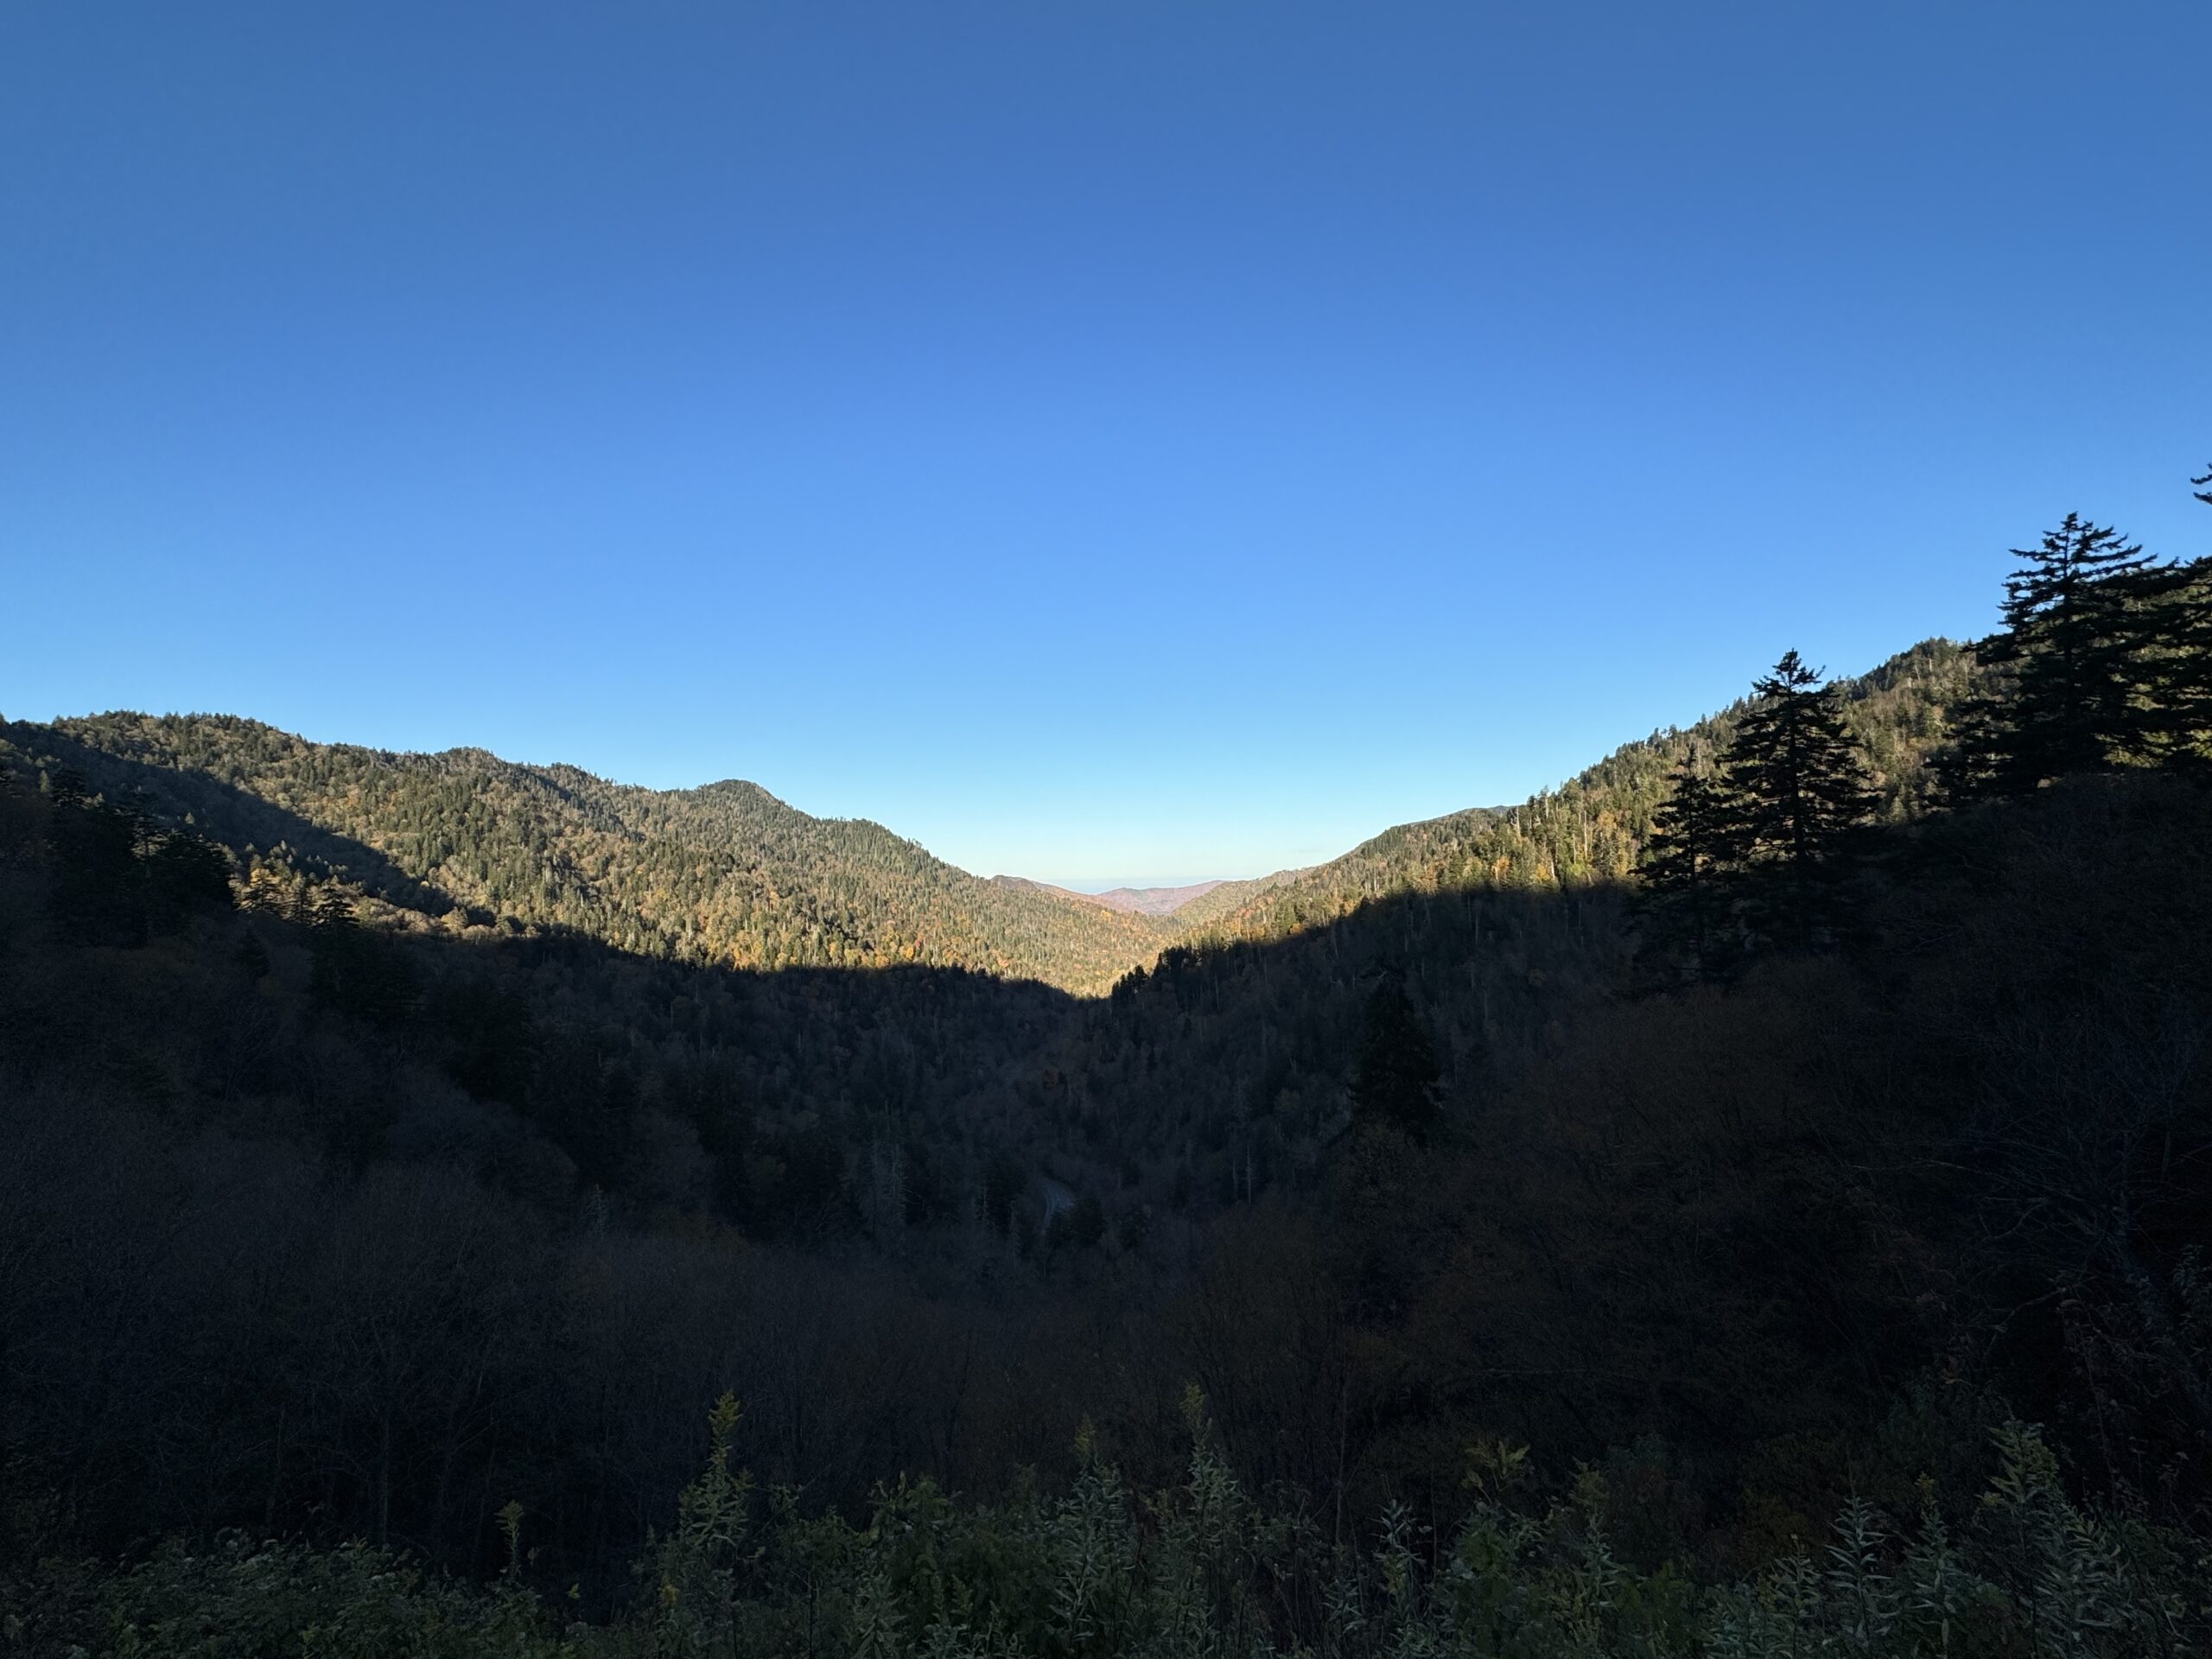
x=1797 y=788
x=2081 y=620
x=2183 y=691
x=1695 y=852
x=2169 y=663
x=1395 y=1082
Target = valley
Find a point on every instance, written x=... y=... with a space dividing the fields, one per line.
x=450 y=1135
x=661 y=660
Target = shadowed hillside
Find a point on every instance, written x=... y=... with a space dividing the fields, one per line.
x=390 y=1226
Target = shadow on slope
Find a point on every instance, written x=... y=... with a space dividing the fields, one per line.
x=245 y=823
x=371 y=1229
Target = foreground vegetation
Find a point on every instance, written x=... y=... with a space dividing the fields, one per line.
x=1200 y=1569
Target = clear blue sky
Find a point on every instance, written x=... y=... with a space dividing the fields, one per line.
x=1096 y=438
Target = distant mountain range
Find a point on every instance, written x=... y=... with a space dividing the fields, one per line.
x=727 y=873
x=1145 y=901
x=1150 y=901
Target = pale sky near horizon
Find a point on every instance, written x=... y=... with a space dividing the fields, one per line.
x=1179 y=441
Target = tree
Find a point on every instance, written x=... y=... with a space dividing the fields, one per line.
x=1757 y=849
x=2169 y=665
x=2181 y=691
x=1685 y=900
x=1395 y=1082
x=2081 y=622
x=1793 y=780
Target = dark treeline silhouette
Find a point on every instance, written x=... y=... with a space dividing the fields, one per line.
x=2100 y=664
x=1756 y=1122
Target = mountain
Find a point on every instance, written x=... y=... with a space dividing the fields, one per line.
x=340 y=1199
x=1152 y=901
x=725 y=873
x=729 y=875
x=1134 y=901
x=1223 y=898
x=1592 y=828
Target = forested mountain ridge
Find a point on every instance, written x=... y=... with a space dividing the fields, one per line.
x=1152 y=901
x=1223 y=897
x=727 y=873
x=723 y=874
x=1142 y=901
x=1594 y=827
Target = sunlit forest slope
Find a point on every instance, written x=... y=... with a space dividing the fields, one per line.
x=729 y=875
x=723 y=874
x=1593 y=827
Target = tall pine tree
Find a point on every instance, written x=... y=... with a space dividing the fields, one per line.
x=2183 y=690
x=2169 y=664
x=2081 y=621
x=1798 y=789
x=1758 y=850
x=1687 y=899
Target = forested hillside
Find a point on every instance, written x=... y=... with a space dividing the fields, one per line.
x=1593 y=827
x=1147 y=901
x=1753 y=1199
x=1227 y=897
x=729 y=875
x=724 y=873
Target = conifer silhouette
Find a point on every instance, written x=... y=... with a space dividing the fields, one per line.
x=2069 y=695
x=1798 y=791
x=1759 y=851
x=1686 y=902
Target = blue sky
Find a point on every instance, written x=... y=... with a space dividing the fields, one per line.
x=1097 y=439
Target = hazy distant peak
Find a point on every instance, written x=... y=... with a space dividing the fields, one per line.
x=1135 y=901
x=1152 y=901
